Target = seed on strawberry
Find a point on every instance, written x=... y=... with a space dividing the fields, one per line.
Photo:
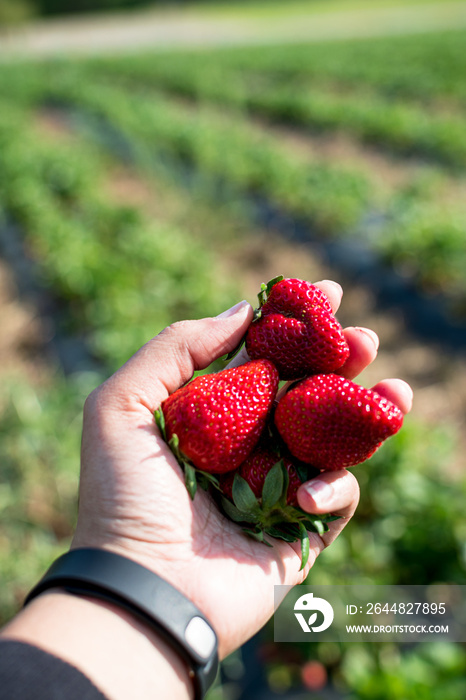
x=296 y=330
x=218 y=418
x=332 y=423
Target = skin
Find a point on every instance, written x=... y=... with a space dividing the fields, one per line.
x=133 y=501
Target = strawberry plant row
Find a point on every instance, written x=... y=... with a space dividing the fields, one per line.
x=109 y=267
x=229 y=148
x=256 y=165
x=427 y=67
x=433 y=260
x=371 y=118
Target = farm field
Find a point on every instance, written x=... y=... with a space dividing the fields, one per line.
x=136 y=191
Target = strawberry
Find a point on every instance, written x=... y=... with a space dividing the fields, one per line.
x=262 y=494
x=215 y=421
x=296 y=329
x=332 y=423
x=254 y=470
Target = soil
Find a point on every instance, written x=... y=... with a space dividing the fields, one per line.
x=23 y=336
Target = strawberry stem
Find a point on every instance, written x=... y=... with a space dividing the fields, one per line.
x=266 y=289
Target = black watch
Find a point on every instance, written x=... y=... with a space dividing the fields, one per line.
x=114 y=578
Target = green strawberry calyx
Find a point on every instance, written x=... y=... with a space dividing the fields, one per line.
x=192 y=476
x=271 y=515
x=262 y=296
x=265 y=292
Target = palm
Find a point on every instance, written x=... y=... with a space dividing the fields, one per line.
x=133 y=498
x=191 y=544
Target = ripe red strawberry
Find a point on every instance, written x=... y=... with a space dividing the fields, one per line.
x=296 y=330
x=218 y=418
x=262 y=495
x=254 y=470
x=331 y=423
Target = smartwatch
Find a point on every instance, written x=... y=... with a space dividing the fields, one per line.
x=116 y=579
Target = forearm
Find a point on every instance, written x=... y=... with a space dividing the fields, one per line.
x=119 y=654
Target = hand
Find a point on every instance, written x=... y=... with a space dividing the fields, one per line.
x=133 y=499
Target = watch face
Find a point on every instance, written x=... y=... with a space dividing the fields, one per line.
x=200 y=637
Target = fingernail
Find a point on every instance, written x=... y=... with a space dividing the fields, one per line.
x=373 y=336
x=236 y=309
x=335 y=284
x=321 y=491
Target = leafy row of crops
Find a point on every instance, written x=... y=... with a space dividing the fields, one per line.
x=421 y=224
x=426 y=67
x=407 y=129
x=83 y=244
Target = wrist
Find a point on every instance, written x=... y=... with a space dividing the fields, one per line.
x=122 y=656
x=147 y=597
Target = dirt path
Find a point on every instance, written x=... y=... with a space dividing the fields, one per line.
x=162 y=30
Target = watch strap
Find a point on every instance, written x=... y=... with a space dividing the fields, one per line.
x=116 y=579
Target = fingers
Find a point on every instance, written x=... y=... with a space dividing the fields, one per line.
x=363 y=344
x=333 y=290
x=330 y=492
x=168 y=361
x=335 y=492
x=398 y=392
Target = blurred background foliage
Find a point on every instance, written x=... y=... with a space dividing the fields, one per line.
x=139 y=190
x=14 y=12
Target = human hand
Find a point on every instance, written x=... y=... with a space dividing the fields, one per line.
x=132 y=494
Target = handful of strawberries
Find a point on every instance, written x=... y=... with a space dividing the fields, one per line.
x=231 y=433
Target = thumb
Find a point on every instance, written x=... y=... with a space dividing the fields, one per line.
x=168 y=361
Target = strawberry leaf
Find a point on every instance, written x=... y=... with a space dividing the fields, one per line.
x=235 y=350
x=290 y=528
x=305 y=471
x=316 y=525
x=266 y=289
x=272 y=489
x=174 y=445
x=276 y=532
x=232 y=511
x=257 y=535
x=330 y=518
x=160 y=422
x=286 y=482
x=244 y=498
x=205 y=479
x=304 y=537
x=190 y=479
